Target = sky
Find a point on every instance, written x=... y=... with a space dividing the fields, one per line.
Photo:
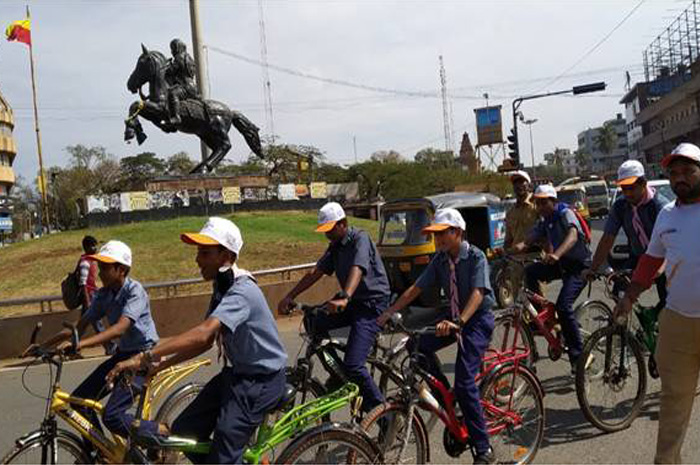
x=85 y=51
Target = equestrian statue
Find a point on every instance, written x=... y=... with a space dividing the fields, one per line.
x=174 y=104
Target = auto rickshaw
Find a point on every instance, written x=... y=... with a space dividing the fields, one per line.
x=575 y=197
x=406 y=251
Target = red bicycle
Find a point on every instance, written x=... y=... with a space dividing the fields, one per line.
x=537 y=316
x=512 y=400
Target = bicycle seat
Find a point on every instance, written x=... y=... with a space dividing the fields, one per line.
x=290 y=393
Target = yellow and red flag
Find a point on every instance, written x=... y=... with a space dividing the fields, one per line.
x=20 y=31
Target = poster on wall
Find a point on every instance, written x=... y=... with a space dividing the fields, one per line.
x=318 y=190
x=125 y=201
x=286 y=192
x=96 y=204
x=302 y=190
x=231 y=195
x=215 y=196
x=138 y=200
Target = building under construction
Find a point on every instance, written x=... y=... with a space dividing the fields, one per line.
x=662 y=111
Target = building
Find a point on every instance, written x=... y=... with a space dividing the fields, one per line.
x=565 y=158
x=600 y=162
x=8 y=152
x=666 y=103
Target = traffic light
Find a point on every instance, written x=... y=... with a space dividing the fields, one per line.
x=513 y=152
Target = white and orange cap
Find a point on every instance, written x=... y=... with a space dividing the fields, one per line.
x=328 y=216
x=685 y=150
x=629 y=172
x=520 y=174
x=114 y=252
x=446 y=218
x=545 y=191
x=217 y=231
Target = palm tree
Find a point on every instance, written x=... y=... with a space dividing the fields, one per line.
x=606 y=140
x=583 y=161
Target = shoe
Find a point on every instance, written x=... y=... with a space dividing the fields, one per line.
x=485 y=457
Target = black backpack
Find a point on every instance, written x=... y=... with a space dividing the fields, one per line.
x=71 y=291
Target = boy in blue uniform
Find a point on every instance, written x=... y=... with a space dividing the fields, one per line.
x=561 y=230
x=461 y=270
x=365 y=294
x=233 y=403
x=126 y=305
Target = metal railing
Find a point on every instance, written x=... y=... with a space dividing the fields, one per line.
x=171 y=287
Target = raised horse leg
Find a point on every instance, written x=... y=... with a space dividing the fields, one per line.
x=218 y=141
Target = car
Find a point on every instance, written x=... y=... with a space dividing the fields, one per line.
x=620 y=251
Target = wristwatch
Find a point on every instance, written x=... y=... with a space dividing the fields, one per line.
x=342 y=295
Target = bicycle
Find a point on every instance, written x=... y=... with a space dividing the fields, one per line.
x=512 y=400
x=50 y=440
x=324 y=443
x=539 y=318
x=614 y=356
x=326 y=351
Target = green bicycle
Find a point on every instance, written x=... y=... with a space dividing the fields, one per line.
x=311 y=442
x=611 y=378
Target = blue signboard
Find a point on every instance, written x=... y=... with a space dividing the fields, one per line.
x=5 y=223
x=488 y=125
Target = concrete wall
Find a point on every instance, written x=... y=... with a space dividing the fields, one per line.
x=172 y=315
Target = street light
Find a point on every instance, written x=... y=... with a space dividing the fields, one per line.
x=576 y=90
x=530 y=122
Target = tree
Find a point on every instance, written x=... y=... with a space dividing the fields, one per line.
x=606 y=140
x=291 y=162
x=179 y=164
x=583 y=161
x=138 y=169
x=436 y=158
x=386 y=156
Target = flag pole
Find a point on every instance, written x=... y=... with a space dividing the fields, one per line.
x=42 y=180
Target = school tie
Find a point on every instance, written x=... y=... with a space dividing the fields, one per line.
x=454 y=292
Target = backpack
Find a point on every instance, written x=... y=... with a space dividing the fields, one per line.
x=587 y=235
x=71 y=291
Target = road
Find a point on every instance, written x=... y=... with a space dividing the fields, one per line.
x=569 y=438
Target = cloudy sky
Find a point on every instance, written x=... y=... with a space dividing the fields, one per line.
x=85 y=50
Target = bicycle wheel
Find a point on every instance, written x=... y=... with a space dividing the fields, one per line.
x=69 y=449
x=611 y=379
x=386 y=425
x=176 y=402
x=504 y=333
x=592 y=316
x=514 y=411
x=332 y=443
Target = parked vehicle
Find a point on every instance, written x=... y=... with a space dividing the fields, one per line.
x=406 y=251
x=596 y=192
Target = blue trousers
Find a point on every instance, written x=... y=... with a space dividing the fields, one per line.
x=115 y=417
x=476 y=335
x=361 y=317
x=572 y=285
x=231 y=406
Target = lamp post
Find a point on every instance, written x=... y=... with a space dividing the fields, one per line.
x=529 y=123
x=577 y=90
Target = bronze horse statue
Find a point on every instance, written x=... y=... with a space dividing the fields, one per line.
x=209 y=120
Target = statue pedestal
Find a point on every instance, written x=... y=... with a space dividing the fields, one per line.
x=204 y=182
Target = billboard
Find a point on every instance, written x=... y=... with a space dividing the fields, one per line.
x=489 y=125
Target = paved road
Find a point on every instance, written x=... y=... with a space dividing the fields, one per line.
x=568 y=436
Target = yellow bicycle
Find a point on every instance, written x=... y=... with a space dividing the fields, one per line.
x=50 y=444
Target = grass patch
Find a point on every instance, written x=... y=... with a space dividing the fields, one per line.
x=271 y=239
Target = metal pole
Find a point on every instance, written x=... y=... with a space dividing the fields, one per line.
x=354 y=147
x=532 y=149
x=200 y=64
x=42 y=181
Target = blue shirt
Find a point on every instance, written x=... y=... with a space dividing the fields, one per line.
x=556 y=227
x=472 y=271
x=249 y=331
x=132 y=302
x=620 y=216
x=357 y=249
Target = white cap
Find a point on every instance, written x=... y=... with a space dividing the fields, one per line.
x=217 y=231
x=446 y=218
x=685 y=150
x=545 y=191
x=329 y=215
x=520 y=174
x=629 y=172
x=114 y=252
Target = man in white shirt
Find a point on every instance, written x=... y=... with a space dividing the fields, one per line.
x=675 y=240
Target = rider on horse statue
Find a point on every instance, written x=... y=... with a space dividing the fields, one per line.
x=180 y=76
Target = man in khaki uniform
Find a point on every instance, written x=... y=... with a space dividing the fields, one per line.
x=522 y=217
